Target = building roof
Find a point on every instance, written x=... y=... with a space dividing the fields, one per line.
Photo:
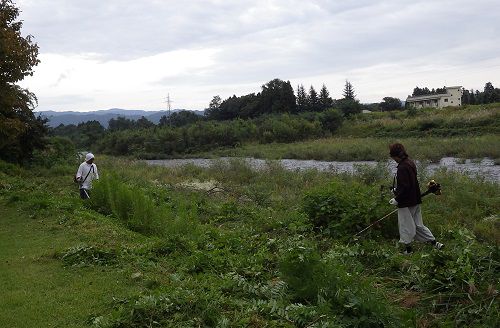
x=427 y=97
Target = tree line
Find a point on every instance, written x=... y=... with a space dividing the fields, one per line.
x=426 y=91
x=278 y=97
x=489 y=95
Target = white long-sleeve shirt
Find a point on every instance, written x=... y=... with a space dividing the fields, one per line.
x=82 y=172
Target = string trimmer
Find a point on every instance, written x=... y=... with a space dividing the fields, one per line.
x=432 y=188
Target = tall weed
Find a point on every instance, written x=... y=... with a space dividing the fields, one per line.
x=342 y=208
x=137 y=211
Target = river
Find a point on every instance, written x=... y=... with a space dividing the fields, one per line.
x=485 y=168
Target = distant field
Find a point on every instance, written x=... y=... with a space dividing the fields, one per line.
x=359 y=149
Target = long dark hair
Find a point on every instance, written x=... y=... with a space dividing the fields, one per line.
x=397 y=150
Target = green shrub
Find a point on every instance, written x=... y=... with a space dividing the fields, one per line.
x=10 y=169
x=331 y=120
x=462 y=263
x=343 y=208
x=59 y=150
x=100 y=196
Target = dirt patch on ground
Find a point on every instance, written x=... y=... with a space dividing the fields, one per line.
x=409 y=299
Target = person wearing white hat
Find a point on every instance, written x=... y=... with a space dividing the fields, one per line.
x=85 y=174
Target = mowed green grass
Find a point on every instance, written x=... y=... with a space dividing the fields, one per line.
x=36 y=289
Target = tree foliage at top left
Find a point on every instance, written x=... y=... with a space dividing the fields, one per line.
x=20 y=131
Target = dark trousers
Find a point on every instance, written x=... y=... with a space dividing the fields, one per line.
x=84 y=193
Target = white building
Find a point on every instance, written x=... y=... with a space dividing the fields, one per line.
x=452 y=97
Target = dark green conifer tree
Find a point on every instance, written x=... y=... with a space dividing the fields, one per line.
x=301 y=99
x=324 y=98
x=488 y=93
x=348 y=91
x=313 y=104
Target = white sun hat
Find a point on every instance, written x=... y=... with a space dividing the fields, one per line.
x=89 y=156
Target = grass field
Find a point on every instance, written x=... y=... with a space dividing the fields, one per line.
x=37 y=290
x=366 y=149
x=231 y=247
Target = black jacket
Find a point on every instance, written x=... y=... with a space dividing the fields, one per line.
x=407 y=190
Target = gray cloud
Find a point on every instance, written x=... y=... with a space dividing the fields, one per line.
x=55 y=102
x=129 y=29
x=380 y=34
x=258 y=40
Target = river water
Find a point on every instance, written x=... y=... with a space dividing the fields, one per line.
x=484 y=168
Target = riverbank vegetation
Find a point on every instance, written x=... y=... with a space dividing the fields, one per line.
x=470 y=132
x=227 y=246
x=367 y=149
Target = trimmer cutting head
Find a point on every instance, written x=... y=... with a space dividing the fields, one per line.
x=434 y=187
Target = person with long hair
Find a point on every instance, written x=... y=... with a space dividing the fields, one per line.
x=407 y=198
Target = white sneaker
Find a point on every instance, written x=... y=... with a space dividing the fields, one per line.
x=438 y=245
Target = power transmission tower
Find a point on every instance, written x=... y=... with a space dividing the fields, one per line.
x=169 y=102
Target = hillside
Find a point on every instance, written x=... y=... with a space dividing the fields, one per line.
x=103 y=116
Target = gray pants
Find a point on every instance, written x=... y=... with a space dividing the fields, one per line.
x=411 y=225
x=84 y=193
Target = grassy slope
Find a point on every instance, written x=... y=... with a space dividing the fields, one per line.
x=36 y=289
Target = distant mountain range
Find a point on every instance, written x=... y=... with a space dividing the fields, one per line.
x=103 y=116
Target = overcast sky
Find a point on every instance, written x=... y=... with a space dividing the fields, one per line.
x=100 y=54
